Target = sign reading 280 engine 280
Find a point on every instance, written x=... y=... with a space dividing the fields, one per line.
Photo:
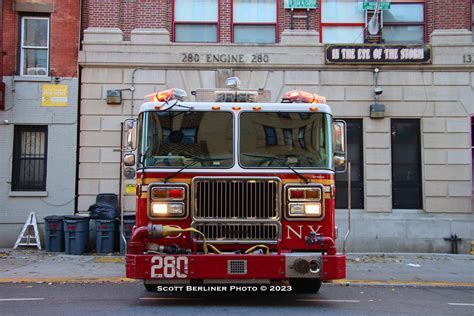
x=377 y=54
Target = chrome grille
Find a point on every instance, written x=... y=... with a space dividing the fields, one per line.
x=253 y=199
x=243 y=232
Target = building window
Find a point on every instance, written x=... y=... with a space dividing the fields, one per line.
x=196 y=21
x=288 y=136
x=355 y=149
x=342 y=21
x=34 y=46
x=255 y=21
x=404 y=23
x=270 y=136
x=29 y=158
x=301 y=137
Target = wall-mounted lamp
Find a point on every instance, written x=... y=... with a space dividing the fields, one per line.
x=377 y=111
x=114 y=96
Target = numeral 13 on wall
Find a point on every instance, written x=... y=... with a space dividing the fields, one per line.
x=467 y=59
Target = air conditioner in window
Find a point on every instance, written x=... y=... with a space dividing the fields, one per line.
x=36 y=71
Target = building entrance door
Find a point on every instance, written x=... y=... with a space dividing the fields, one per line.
x=406 y=164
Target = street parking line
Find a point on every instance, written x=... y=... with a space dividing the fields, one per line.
x=327 y=301
x=460 y=304
x=168 y=298
x=22 y=299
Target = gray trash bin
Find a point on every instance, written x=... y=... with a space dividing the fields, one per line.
x=54 y=233
x=105 y=230
x=76 y=234
x=128 y=223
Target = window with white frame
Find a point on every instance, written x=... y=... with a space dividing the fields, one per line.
x=34 y=46
x=404 y=23
x=342 y=21
x=255 y=21
x=196 y=21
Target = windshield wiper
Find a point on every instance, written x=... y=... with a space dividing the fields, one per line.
x=284 y=163
x=194 y=160
x=302 y=177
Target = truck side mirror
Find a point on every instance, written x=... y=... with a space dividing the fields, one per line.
x=130 y=134
x=340 y=146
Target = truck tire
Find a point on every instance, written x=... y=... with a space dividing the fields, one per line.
x=150 y=287
x=305 y=285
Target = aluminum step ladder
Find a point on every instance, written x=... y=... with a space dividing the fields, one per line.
x=25 y=238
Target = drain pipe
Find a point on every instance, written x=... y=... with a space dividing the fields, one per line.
x=349 y=195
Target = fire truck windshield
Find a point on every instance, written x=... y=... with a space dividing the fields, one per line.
x=282 y=139
x=186 y=138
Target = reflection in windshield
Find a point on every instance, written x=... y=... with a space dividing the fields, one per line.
x=281 y=139
x=181 y=138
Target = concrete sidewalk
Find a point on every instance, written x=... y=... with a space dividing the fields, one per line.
x=31 y=265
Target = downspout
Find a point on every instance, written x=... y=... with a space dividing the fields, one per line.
x=78 y=128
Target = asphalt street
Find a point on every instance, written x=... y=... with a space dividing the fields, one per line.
x=132 y=299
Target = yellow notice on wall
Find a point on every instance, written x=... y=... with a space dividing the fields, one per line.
x=54 y=95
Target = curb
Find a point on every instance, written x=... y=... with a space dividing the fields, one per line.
x=346 y=282
x=65 y=280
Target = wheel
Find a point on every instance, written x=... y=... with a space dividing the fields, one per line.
x=150 y=287
x=305 y=285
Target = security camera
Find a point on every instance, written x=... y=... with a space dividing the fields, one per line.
x=6 y=122
x=378 y=90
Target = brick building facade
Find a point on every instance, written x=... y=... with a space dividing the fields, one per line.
x=152 y=45
x=38 y=124
x=129 y=15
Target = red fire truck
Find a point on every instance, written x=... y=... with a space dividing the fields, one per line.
x=235 y=191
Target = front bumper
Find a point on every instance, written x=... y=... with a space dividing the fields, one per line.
x=232 y=267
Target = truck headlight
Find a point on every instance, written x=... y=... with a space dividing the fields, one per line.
x=304 y=209
x=167 y=209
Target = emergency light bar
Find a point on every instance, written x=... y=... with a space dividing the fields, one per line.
x=298 y=96
x=236 y=96
x=167 y=95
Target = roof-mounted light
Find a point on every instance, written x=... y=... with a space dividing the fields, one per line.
x=236 y=96
x=303 y=97
x=167 y=95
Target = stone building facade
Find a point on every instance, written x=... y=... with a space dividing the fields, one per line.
x=38 y=124
x=140 y=46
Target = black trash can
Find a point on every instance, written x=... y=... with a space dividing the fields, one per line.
x=54 y=233
x=128 y=223
x=105 y=230
x=76 y=234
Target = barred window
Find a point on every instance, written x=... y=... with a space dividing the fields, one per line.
x=29 y=158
